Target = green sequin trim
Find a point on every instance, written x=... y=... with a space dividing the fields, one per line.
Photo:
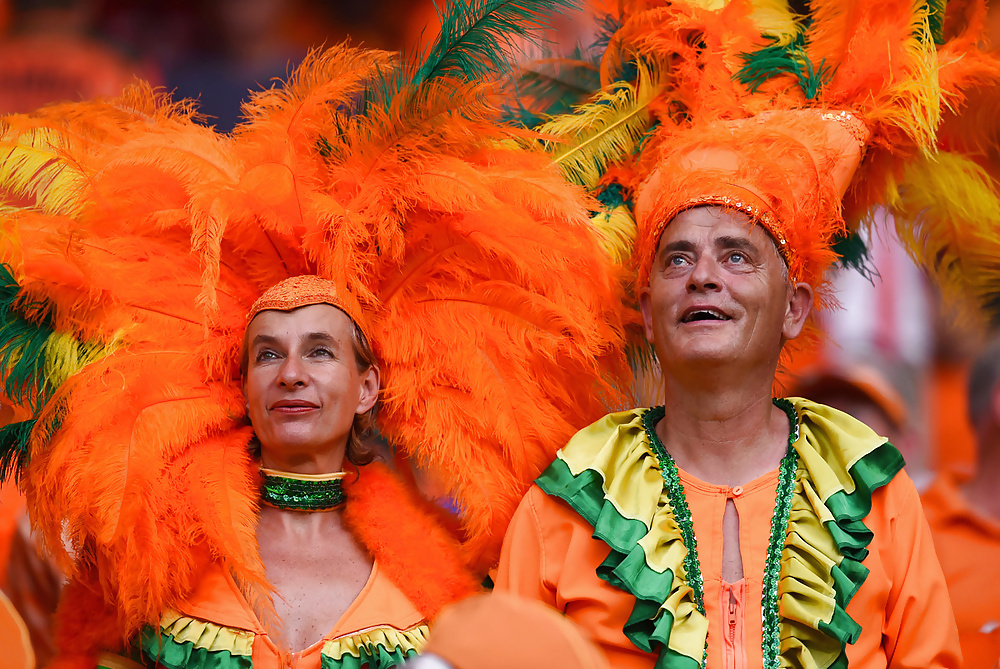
x=301 y=495
x=776 y=542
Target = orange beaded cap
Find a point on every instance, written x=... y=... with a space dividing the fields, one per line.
x=305 y=290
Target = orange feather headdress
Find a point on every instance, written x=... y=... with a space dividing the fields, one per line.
x=140 y=240
x=804 y=121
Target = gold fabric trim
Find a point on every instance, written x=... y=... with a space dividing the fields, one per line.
x=390 y=638
x=207 y=635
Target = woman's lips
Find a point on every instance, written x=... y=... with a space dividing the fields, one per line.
x=292 y=407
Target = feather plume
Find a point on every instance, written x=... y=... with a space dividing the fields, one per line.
x=604 y=131
x=948 y=216
x=428 y=212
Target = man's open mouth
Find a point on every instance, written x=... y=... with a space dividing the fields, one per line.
x=704 y=315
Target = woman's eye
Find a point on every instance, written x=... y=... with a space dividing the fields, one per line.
x=265 y=355
x=322 y=352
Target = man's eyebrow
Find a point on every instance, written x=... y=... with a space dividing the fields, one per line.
x=679 y=245
x=728 y=242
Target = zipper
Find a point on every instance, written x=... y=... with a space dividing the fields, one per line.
x=732 y=621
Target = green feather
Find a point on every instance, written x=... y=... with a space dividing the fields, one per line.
x=853 y=253
x=22 y=344
x=607 y=26
x=779 y=59
x=478 y=41
x=935 y=19
x=35 y=360
x=478 y=36
x=15 y=442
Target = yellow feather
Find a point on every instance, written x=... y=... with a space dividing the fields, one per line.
x=616 y=231
x=774 y=19
x=948 y=214
x=65 y=355
x=32 y=165
x=602 y=132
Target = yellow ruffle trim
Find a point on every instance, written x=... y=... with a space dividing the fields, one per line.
x=618 y=450
x=816 y=582
x=206 y=635
x=389 y=638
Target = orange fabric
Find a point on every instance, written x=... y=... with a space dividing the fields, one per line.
x=477 y=633
x=755 y=506
x=217 y=599
x=968 y=545
x=903 y=607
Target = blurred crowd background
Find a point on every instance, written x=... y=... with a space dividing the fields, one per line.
x=891 y=354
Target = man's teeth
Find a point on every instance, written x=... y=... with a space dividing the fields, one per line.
x=705 y=315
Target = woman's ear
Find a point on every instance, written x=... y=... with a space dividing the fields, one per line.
x=370 y=384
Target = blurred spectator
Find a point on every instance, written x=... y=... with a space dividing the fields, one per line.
x=13 y=639
x=247 y=52
x=501 y=631
x=49 y=56
x=875 y=394
x=964 y=518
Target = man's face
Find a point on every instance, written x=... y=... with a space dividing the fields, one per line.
x=718 y=292
x=302 y=384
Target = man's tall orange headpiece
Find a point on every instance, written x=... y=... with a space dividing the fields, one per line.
x=805 y=122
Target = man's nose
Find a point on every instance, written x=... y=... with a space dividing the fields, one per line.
x=704 y=275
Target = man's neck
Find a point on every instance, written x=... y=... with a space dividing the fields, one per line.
x=723 y=434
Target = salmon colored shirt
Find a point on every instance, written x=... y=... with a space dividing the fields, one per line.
x=380 y=604
x=903 y=606
x=968 y=545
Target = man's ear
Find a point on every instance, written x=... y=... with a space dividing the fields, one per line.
x=370 y=382
x=800 y=304
x=647 y=313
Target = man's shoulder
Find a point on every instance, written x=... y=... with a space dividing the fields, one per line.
x=604 y=445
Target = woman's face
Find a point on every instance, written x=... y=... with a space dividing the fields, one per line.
x=302 y=385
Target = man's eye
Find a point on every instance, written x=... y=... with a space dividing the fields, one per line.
x=737 y=257
x=676 y=261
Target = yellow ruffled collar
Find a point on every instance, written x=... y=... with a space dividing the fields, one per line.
x=610 y=475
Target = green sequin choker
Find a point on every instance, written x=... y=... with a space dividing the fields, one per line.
x=775 y=544
x=301 y=492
